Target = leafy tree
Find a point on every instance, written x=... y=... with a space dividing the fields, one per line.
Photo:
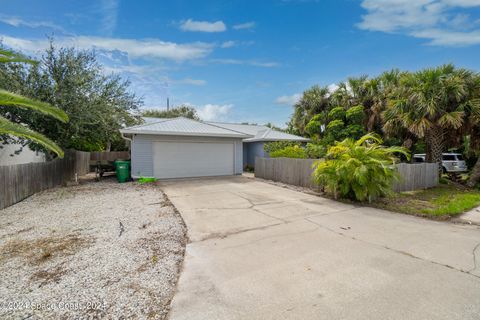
x=180 y=111
x=358 y=170
x=10 y=101
x=430 y=103
x=98 y=105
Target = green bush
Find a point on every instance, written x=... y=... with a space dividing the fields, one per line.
x=354 y=131
x=270 y=147
x=289 y=152
x=315 y=151
x=337 y=113
x=355 y=115
x=358 y=170
x=313 y=127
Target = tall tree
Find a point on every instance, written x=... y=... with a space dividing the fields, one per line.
x=9 y=102
x=98 y=105
x=314 y=101
x=430 y=103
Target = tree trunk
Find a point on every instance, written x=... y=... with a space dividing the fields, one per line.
x=475 y=175
x=434 y=140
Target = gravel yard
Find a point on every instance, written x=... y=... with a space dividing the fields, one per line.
x=94 y=250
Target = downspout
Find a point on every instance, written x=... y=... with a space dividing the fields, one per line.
x=125 y=138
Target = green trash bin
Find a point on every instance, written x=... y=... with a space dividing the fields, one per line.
x=122 y=170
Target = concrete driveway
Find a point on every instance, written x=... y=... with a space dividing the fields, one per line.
x=259 y=251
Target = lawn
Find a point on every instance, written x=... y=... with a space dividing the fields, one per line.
x=442 y=202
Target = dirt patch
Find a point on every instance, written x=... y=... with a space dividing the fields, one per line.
x=40 y=250
x=93 y=250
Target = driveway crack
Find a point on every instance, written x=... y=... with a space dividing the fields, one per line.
x=474 y=258
x=400 y=251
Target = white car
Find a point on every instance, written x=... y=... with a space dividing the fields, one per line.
x=451 y=162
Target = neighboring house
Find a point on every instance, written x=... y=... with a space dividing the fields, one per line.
x=253 y=147
x=181 y=147
x=9 y=157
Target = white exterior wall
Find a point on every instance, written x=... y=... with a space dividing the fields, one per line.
x=142 y=151
x=25 y=156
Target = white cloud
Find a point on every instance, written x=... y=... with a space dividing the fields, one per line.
x=142 y=48
x=190 y=81
x=332 y=87
x=19 y=22
x=288 y=100
x=436 y=20
x=109 y=11
x=243 y=26
x=255 y=63
x=232 y=43
x=228 y=44
x=211 y=112
x=203 y=26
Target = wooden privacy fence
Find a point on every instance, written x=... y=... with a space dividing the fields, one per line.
x=416 y=176
x=109 y=155
x=20 y=181
x=298 y=172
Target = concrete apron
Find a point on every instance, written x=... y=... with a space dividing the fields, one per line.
x=259 y=251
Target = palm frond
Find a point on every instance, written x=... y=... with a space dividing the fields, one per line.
x=7 y=56
x=15 y=129
x=12 y=99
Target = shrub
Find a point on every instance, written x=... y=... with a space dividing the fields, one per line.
x=358 y=170
x=355 y=115
x=270 y=147
x=354 y=131
x=335 y=125
x=315 y=151
x=337 y=113
x=313 y=127
x=289 y=152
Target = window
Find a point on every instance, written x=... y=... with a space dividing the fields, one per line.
x=449 y=157
x=418 y=159
x=459 y=157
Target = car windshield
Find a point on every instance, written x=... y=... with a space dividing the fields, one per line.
x=459 y=157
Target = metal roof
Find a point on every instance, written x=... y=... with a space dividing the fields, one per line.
x=260 y=133
x=182 y=126
x=274 y=135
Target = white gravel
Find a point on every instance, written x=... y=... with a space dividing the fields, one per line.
x=95 y=250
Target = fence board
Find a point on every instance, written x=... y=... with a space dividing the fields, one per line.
x=109 y=155
x=298 y=172
x=18 y=182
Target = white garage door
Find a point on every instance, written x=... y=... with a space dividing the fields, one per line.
x=192 y=159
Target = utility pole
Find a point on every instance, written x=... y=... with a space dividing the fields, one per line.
x=168 y=104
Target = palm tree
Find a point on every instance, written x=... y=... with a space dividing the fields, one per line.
x=314 y=101
x=429 y=103
x=14 y=100
x=359 y=170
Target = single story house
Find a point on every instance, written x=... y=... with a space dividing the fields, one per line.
x=183 y=148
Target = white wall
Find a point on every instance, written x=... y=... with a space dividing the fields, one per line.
x=25 y=156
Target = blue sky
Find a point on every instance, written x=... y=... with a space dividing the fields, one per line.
x=248 y=60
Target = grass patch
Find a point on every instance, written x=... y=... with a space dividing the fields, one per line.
x=442 y=202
